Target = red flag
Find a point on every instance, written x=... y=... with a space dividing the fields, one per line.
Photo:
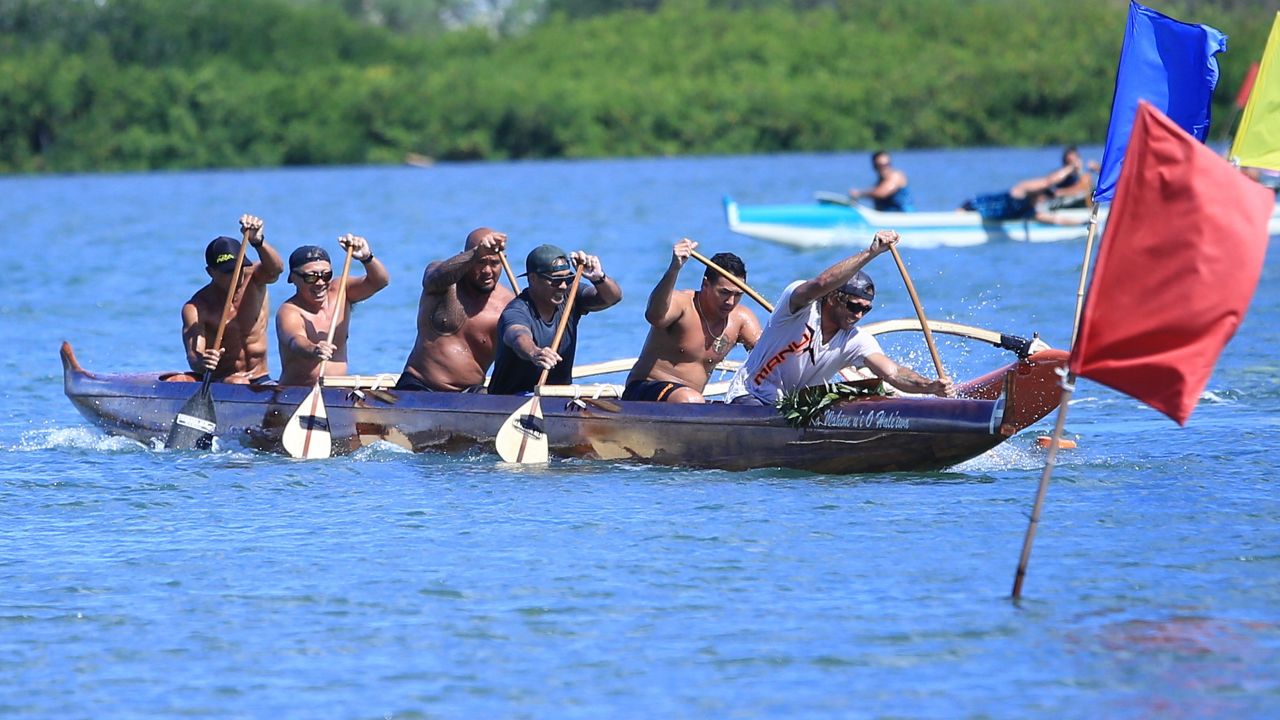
x=1242 y=97
x=1180 y=258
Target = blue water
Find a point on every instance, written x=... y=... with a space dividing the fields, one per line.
x=237 y=584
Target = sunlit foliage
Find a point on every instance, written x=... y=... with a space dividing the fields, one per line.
x=138 y=84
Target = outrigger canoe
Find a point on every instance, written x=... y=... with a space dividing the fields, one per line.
x=832 y=221
x=873 y=434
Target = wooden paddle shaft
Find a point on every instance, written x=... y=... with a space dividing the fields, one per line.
x=317 y=401
x=915 y=300
x=337 y=309
x=231 y=293
x=564 y=322
x=511 y=275
x=733 y=279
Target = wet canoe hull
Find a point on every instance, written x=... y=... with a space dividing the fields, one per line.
x=872 y=435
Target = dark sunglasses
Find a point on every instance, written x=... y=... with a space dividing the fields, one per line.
x=311 y=278
x=857 y=307
x=556 y=279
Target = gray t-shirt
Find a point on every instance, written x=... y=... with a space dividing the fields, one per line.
x=512 y=374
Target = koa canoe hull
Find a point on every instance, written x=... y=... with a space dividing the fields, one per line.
x=876 y=434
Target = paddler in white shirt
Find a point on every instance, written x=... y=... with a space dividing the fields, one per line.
x=812 y=335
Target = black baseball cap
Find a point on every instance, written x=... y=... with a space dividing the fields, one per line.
x=220 y=254
x=306 y=254
x=547 y=260
x=859 y=286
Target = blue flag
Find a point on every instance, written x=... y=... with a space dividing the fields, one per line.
x=1171 y=65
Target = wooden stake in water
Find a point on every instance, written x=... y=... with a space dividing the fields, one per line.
x=1068 y=387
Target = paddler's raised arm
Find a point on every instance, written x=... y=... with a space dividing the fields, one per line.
x=482 y=242
x=659 y=312
x=375 y=277
x=836 y=275
x=604 y=291
x=270 y=264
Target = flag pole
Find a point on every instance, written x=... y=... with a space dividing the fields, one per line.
x=1084 y=272
x=1228 y=136
x=1068 y=387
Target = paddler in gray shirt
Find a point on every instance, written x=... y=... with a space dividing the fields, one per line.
x=528 y=323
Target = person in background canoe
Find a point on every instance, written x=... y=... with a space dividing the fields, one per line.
x=890 y=193
x=243 y=355
x=811 y=336
x=691 y=331
x=303 y=320
x=528 y=323
x=462 y=298
x=1068 y=186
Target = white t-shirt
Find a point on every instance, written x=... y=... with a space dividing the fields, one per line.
x=790 y=353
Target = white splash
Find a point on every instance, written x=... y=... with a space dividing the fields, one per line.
x=79 y=438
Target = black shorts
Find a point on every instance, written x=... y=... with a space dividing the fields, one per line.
x=411 y=382
x=261 y=380
x=650 y=390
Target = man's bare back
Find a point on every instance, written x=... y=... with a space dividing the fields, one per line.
x=462 y=299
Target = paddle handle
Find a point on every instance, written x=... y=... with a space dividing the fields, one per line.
x=337 y=309
x=564 y=322
x=742 y=285
x=231 y=296
x=915 y=300
x=511 y=275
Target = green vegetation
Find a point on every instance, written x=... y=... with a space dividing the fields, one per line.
x=140 y=84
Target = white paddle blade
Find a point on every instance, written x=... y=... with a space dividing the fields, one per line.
x=306 y=435
x=523 y=437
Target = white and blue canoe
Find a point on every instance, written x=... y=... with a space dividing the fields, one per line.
x=833 y=221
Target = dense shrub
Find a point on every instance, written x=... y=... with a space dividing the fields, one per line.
x=137 y=84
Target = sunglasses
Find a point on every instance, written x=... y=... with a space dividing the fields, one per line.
x=556 y=279
x=856 y=308
x=311 y=278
